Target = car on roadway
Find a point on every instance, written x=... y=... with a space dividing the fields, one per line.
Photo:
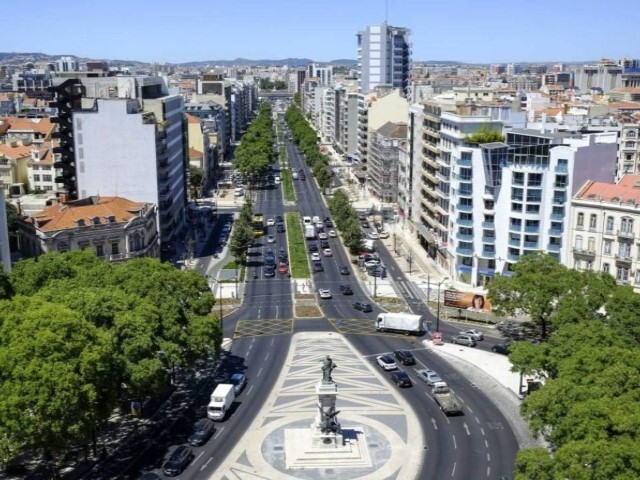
x=401 y=379
x=315 y=219
x=383 y=234
x=282 y=255
x=270 y=271
x=283 y=268
x=201 y=432
x=477 y=334
x=322 y=236
x=270 y=222
x=363 y=306
x=502 y=348
x=317 y=266
x=386 y=362
x=238 y=192
x=467 y=340
x=327 y=252
x=333 y=234
x=327 y=222
x=178 y=461
x=271 y=239
x=279 y=219
x=313 y=247
x=269 y=257
x=374 y=235
x=346 y=289
x=428 y=376
x=239 y=381
x=364 y=224
x=315 y=256
x=294 y=175
x=277 y=180
x=325 y=293
x=303 y=177
x=306 y=220
x=344 y=270
x=405 y=357
x=280 y=228
x=372 y=263
x=324 y=244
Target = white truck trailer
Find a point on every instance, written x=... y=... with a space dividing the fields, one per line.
x=446 y=399
x=310 y=232
x=399 y=322
x=221 y=400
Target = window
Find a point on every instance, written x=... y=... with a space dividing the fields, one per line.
x=589 y=265
x=533 y=208
x=47 y=178
x=518 y=178
x=637 y=276
x=624 y=250
x=577 y=264
x=580 y=222
x=516 y=207
x=607 y=247
x=578 y=243
x=36 y=178
x=517 y=194
x=100 y=250
x=534 y=195
x=593 y=221
x=622 y=274
x=535 y=180
x=609 y=227
x=591 y=246
x=115 y=248
x=515 y=223
x=605 y=267
x=626 y=225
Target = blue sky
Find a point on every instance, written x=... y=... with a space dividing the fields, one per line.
x=191 y=30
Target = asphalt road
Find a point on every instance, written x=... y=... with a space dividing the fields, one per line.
x=478 y=444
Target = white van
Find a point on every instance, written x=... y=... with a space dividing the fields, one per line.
x=306 y=220
x=277 y=180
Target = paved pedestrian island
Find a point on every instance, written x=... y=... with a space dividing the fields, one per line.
x=382 y=435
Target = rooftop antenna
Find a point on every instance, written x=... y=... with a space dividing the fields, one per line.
x=386 y=11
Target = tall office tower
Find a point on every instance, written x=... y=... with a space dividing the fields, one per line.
x=384 y=57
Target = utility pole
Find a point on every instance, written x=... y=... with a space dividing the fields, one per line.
x=410 y=260
x=438 y=312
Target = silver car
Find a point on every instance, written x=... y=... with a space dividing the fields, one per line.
x=476 y=334
x=467 y=340
x=428 y=376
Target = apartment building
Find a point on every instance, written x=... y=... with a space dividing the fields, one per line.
x=382 y=171
x=629 y=149
x=605 y=76
x=346 y=140
x=126 y=149
x=323 y=74
x=604 y=231
x=114 y=227
x=509 y=199
x=201 y=152
x=384 y=57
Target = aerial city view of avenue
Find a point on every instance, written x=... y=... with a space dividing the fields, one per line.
x=280 y=266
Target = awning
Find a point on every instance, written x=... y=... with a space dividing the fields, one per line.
x=425 y=233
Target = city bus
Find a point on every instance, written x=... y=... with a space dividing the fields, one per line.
x=258 y=224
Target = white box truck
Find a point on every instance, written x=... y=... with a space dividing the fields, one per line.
x=221 y=400
x=399 y=322
x=310 y=232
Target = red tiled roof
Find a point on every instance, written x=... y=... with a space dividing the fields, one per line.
x=623 y=191
x=39 y=125
x=13 y=153
x=62 y=216
x=192 y=119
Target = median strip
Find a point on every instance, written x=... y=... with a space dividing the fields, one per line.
x=298 y=262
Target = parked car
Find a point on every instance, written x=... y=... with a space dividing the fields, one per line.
x=372 y=263
x=401 y=379
x=271 y=239
x=202 y=431
x=346 y=289
x=178 y=461
x=364 y=224
x=374 y=236
x=502 y=348
x=239 y=381
x=270 y=222
x=476 y=334
x=344 y=270
x=383 y=234
x=464 y=340
x=386 y=362
x=428 y=376
x=324 y=293
x=363 y=307
x=405 y=357
x=317 y=266
x=238 y=192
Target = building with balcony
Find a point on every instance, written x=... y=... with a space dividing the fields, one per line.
x=114 y=227
x=519 y=199
x=605 y=76
x=34 y=82
x=135 y=149
x=629 y=150
x=604 y=231
x=347 y=125
x=384 y=58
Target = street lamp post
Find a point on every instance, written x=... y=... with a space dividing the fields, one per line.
x=410 y=260
x=438 y=311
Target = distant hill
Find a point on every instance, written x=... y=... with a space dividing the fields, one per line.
x=347 y=62
x=295 y=62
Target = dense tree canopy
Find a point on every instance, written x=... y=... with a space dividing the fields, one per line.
x=589 y=404
x=254 y=155
x=346 y=219
x=82 y=336
x=242 y=237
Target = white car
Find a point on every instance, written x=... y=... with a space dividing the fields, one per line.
x=277 y=180
x=371 y=263
x=324 y=293
x=374 y=236
x=271 y=239
x=306 y=220
x=271 y=222
x=383 y=234
x=322 y=236
x=386 y=362
x=315 y=256
x=477 y=334
x=327 y=252
x=333 y=234
x=238 y=192
x=316 y=219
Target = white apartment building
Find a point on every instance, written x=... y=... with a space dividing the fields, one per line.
x=384 y=57
x=605 y=229
x=125 y=150
x=511 y=199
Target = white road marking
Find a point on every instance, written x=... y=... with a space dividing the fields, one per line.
x=488 y=471
x=466 y=427
x=206 y=464
x=470 y=411
x=453 y=471
x=249 y=391
x=272 y=340
x=198 y=457
x=455 y=445
x=477 y=421
x=277 y=311
x=488 y=457
x=259 y=371
x=267 y=356
x=486 y=444
x=482 y=430
x=435 y=425
x=219 y=432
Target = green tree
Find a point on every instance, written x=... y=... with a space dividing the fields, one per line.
x=241 y=240
x=196 y=175
x=485 y=134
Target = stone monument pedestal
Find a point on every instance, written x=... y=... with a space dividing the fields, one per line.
x=327 y=394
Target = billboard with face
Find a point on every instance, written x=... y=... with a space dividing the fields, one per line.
x=466 y=301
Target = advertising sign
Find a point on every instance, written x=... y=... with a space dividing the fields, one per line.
x=467 y=301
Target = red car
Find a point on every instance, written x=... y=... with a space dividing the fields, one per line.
x=283 y=268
